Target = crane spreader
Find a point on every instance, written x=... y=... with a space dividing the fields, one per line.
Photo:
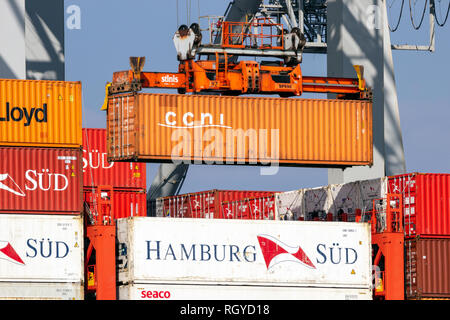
x=222 y=73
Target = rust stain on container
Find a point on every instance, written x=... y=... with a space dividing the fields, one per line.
x=427 y=268
x=239 y=130
x=40 y=113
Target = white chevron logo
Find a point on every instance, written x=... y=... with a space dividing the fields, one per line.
x=17 y=192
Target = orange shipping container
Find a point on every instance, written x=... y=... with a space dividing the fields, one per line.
x=40 y=113
x=239 y=130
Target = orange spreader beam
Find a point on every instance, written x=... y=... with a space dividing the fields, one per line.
x=244 y=77
x=331 y=85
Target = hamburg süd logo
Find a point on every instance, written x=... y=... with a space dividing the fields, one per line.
x=8 y=253
x=275 y=252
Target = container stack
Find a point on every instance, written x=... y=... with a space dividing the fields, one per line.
x=426 y=212
x=126 y=180
x=204 y=259
x=336 y=202
x=339 y=202
x=426 y=215
x=41 y=226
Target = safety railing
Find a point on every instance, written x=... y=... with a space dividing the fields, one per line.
x=259 y=33
x=387 y=214
x=99 y=206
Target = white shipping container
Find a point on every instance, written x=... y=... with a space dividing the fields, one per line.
x=41 y=291
x=317 y=203
x=142 y=291
x=289 y=205
x=370 y=190
x=41 y=248
x=345 y=198
x=220 y=251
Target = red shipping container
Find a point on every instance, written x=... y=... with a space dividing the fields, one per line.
x=262 y=208
x=427 y=268
x=97 y=171
x=40 y=180
x=126 y=203
x=205 y=204
x=426 y=203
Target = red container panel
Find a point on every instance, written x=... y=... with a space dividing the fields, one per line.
x=427 y=268
x=426 y=203
x=40 y=180
x=97 y=171
x=262 y=208
x=205 y=204
x=126 y=203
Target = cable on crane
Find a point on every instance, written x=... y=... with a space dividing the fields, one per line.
x=188 y=11
x=178 y=20
x=423 y=15
x=446 y=16
x=399 y=17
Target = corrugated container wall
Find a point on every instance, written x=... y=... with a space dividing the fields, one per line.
x=40 y=180
x=125 y=203
x=244 y=252
x=204 y=204
x=40 y=113
x=260 y=208
x=337 y=202
x=41 y=291
x=317 y=203
x=426 y=203
x=427 y=268
x=289 y=205
x=97 y=171
x=41 y=248
x=230 y=130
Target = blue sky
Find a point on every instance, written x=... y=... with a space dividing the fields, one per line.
x=113 y=30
